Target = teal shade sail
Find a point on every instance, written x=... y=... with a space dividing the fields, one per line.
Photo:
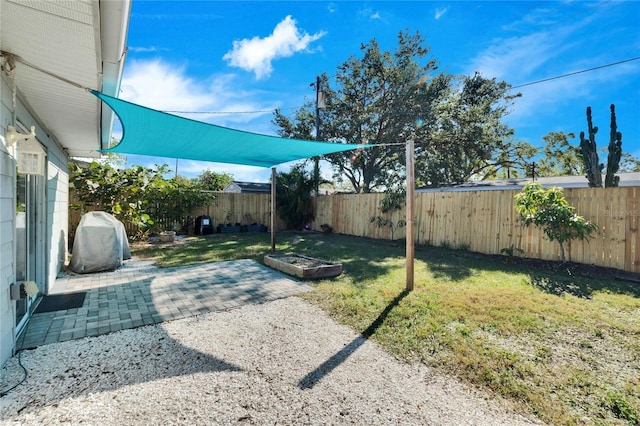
x=155 y=133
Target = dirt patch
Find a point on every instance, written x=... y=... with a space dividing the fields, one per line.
x=304 y=262
x=578 y=269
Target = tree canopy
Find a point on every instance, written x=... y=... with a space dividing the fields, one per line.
x=469 y=139
x=213 y=181
x=560 y=157
x=385 y=97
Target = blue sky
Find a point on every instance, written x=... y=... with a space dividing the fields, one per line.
x=240 y=60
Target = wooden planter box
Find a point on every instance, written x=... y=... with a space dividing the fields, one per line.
x=256 y=228
x=303 y=266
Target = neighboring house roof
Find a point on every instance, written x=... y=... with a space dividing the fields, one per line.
x=248 y=187
x=626 y=179
x=83 y=41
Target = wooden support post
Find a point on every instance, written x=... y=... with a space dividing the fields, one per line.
x=411 y=182
x=273 y=210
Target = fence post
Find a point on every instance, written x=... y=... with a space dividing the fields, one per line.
x=411 y=182
x=273 y=210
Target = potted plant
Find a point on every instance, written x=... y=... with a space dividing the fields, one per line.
x=229 y=228
x=167 y=236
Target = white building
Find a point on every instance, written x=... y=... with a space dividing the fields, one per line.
x=626 y=179
x=51 y=51
x=248 y=188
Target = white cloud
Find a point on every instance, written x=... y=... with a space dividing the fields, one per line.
x=517 y=58
x=257 y=54
x=539 y=17
x=369 y=13
x=440 y=12
x=165 y=86
x=141 y=49
x=563 y=92
x=241 y=173
x=531 y=57
x=178 y=92
x=162 y=86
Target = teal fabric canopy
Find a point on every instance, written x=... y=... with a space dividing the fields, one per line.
x=155 y=133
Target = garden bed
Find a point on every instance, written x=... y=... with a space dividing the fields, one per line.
x=229 y=229
x=303 y=266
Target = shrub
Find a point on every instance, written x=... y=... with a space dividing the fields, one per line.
x=550 y=210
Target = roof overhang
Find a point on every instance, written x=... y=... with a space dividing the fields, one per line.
x=82 y=41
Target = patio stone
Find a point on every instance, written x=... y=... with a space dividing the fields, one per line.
x=139 y=294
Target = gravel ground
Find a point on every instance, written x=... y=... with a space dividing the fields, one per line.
x=282 y=362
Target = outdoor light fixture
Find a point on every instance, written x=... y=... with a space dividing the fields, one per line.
x=31 y=158
x=31 y=155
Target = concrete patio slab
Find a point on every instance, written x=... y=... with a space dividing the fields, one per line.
x=140 y=293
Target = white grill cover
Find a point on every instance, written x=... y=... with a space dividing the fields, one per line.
x=100 y=244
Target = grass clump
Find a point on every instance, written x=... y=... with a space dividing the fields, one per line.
x=563 y=346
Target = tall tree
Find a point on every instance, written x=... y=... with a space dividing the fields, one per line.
x=469 y=139
x=379 y=98
x=384 y=98
x=561 y=158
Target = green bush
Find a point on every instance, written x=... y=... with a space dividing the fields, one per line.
x=137 y=195
x=550 y=210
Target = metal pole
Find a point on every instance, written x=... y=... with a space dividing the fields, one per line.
x=410 y=213
x=273 y=210
x=316 y=159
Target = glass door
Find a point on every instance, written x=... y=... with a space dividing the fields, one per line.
x=30 y=239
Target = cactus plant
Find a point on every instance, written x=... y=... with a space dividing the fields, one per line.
x=590 y=154
x=615 y=151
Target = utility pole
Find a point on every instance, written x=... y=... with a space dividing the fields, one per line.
x=533 y=170
x=316 y=160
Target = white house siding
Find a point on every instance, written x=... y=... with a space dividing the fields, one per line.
x=7 y=231
x=7 y=254
x=56 y=216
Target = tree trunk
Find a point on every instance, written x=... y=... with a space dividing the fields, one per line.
x=562 y=253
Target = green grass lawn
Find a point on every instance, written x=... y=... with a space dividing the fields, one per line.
x=561 y=344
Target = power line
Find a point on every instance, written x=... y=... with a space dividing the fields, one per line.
x=576 y=72
x=227 y=112
x=513 y=87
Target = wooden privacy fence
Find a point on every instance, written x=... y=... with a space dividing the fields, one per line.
x=486 y=222
x=233 y=208
x=239 y=208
